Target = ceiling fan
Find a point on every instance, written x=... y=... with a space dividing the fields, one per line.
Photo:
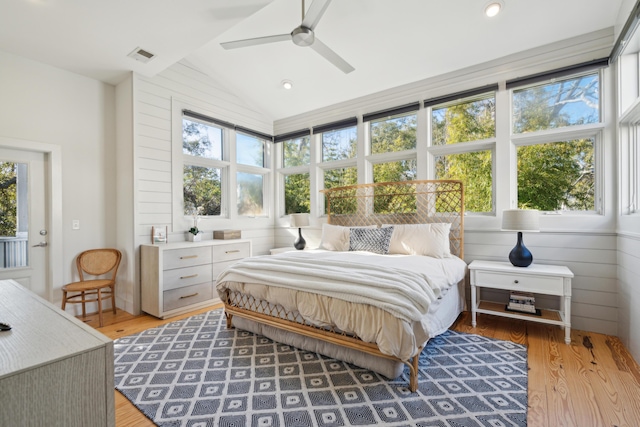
x=302 y=35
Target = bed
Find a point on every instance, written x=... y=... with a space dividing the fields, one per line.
x=387 y=277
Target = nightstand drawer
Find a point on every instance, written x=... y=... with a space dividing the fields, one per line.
x=181 y=277
x=178 y=258
x=520 y=282
x=188 y=295
x=230 y=252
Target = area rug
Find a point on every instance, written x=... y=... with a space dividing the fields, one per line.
x=196 y=372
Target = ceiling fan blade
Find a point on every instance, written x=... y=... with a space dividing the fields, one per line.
x=331 y=56
x=256 y=41
x=315 y=12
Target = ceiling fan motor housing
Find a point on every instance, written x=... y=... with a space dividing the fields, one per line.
x=302 y=36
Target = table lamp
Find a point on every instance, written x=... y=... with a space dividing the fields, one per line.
x=299 y=220
x=520 y=220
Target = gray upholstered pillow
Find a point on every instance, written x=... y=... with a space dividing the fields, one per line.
x=370 y=239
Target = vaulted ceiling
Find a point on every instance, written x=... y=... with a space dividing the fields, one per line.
x=389 y=43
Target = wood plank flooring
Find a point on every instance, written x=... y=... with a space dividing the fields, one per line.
x=593 y=382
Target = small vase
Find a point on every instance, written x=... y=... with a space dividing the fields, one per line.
x=193 y=237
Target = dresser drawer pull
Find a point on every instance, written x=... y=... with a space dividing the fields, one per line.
x=516 y=282
x=189 y=256
x=233 y=251
x=189 y=277
x=189 y=296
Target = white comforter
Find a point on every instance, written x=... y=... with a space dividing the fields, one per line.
x=381 y=298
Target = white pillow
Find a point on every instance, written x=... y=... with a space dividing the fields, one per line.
x=336 y=237
x=420 y=239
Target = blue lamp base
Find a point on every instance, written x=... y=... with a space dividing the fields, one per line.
x=520 y=256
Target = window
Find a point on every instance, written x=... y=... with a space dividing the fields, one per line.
x=339 y=144
x=249 y=150
x=250 y=182
x=570 y=102
x=462 y=143
x=401 y=170
x=296 y=152
x=393 y=134
x=202 y=147
x=339 y=152
x=250 y=194
x=296 y=158
x=557 y=176
x=557 y=170
x=296 y=193
x=393 y=148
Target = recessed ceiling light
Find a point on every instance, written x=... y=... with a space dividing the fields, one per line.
x=287 y=84
x=493 y=8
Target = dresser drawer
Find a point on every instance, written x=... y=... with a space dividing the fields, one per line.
x=188 y=295
x=181 y=277
x=177 y=258
x=228 y=252
x=516 y=282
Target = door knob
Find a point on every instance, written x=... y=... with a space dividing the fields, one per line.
x=41 y=245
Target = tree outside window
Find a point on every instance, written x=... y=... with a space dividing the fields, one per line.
x=462 y=123
x=202 y=174
x=557 y=175
x=8 y=199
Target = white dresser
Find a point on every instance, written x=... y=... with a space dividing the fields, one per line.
x=180 y=277
x=54 y=369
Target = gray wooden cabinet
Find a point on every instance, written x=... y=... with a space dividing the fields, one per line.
x=180 y=277
x=54 y=369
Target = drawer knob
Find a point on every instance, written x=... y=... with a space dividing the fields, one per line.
x=189 y=277
x=189 y=296
x=233 y=251
x=515 y=281
x=189 y=256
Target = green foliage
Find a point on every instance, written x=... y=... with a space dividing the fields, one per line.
x=556 y=176
x=8 y=199
x=459 y=123
x=297 y=189
x=396 y=134
x=202 y=188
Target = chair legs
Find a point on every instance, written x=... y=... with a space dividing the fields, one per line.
x=100 y=307
x=81 y=298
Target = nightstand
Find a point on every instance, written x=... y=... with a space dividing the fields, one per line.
x=537 y=278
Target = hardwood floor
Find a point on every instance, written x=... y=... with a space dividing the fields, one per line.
x=594 y=381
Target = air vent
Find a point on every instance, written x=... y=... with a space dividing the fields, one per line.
x=141 y=55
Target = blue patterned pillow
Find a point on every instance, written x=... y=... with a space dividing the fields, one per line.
x=370 y=239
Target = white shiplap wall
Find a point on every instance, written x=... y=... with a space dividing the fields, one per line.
x=152 y=99
x=629 y=289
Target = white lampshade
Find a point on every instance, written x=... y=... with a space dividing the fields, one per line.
x=520 y=220
x=299 y=220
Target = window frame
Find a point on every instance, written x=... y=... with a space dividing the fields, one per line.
x=565 y=133
x=229 y=169
x=472 y=146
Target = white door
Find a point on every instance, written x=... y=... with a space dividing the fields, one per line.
x=24 y=233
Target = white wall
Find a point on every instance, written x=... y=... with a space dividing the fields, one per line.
x=150 y=189
x=48 y=105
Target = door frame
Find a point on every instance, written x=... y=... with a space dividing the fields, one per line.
x=53 y=187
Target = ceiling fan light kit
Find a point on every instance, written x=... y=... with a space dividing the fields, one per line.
x=302 y=35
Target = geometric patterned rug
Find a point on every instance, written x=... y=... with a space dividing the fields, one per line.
x=195 y=372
